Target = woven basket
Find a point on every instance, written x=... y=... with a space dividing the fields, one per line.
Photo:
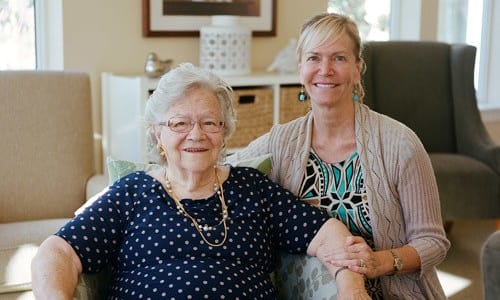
x=254 y=114
x=290 y=106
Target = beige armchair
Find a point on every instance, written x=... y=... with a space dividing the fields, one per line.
x=47 y=162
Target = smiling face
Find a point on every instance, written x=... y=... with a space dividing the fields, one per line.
x=330 y=71
x=195 y=150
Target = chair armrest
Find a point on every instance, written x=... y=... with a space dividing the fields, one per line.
x=490 y=264
x=487 y=152
x=472 y=137
x=95 y=185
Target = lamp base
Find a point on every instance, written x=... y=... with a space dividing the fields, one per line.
x=225 y=46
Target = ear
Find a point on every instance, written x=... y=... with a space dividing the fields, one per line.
x=157 y=132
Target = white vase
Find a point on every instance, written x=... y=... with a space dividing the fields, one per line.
x=225 y=46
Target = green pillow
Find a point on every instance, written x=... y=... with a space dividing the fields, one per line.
x=120 y=168
x=262 y=163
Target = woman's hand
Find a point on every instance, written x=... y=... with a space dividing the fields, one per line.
x=358 y=257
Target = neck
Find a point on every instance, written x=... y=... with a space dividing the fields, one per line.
x=333 y=122
x=192 y=185
x=333 y=135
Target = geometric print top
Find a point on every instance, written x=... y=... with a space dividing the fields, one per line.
x=339 y=189
x=156 y=252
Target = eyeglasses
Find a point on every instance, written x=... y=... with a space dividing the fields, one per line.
x=185 y=124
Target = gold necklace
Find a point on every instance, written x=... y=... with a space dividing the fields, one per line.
x=200 y=228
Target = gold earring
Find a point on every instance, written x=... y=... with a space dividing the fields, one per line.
x=161 y=150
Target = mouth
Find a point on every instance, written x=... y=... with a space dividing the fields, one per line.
x=195 y=150
x=325 y=85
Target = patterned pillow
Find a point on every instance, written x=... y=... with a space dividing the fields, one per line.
x=303 y=277
x=119 y=168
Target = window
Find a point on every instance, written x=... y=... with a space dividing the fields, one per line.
x=17 y=34
x=372 y=16
x=461 y=21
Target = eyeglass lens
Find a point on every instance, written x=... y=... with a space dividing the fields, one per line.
x=181 y=124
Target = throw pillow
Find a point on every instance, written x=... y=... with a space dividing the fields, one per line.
x=120 y=168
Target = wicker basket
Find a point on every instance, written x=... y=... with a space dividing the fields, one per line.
x=254 y=114
x=290 y=106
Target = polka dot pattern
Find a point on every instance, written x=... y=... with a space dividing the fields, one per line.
x=157 y=253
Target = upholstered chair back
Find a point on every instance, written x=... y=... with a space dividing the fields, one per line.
x=47 y=144
x=429 y=86
x=415 y=77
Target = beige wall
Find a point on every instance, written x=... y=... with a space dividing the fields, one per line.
x=106 y=36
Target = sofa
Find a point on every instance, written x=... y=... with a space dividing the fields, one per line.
x=47 y=165
x=490 y=266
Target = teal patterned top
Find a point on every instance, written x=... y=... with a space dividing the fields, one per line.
x=339 y=189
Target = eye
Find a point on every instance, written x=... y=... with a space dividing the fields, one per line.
x=312 y=58
x=209 y=122
x=178 y=123
x=339 y=58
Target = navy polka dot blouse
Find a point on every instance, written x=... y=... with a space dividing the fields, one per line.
x=156 y=252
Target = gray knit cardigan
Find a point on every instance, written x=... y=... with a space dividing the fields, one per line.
x=401 y=190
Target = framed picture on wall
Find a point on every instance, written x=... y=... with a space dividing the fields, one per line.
x=186 y=17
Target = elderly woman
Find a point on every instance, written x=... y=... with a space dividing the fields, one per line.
x=366 y=169
x=193 y=229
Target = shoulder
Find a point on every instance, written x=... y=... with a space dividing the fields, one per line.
x=292 y=127
x=136 y=181
x=246 y=173
x=387 y=126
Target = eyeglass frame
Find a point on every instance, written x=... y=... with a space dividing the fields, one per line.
x=192 y=123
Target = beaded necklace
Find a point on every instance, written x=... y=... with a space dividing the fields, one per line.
x=200 y=228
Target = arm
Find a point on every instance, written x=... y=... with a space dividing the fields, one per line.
x=55 y=270
x=332 y=236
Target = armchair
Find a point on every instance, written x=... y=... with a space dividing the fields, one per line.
x=490 y=266
x=429 y=87
x=47 y=161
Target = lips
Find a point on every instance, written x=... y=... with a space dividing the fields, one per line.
x=325 y=85
x=195 y=150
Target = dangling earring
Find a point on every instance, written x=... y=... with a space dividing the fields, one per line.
x=302 y=94
x=355 y=96
x=161 y=150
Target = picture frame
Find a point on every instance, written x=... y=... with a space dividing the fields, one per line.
x=157 y=23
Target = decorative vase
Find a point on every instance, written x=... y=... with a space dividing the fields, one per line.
x=155 y=67
x=225 y=46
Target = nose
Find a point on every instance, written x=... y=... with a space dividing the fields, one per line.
x=326 y=67
x=195 y=131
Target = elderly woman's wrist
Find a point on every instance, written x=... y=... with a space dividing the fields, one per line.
x=345 y=278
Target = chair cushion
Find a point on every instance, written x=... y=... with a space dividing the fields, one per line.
x=462 y=177
x=18 y=245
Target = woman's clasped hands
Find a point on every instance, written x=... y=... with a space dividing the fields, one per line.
x=357 y=256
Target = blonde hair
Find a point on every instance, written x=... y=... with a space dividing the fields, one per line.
x=171 y=87
x=327 y=28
